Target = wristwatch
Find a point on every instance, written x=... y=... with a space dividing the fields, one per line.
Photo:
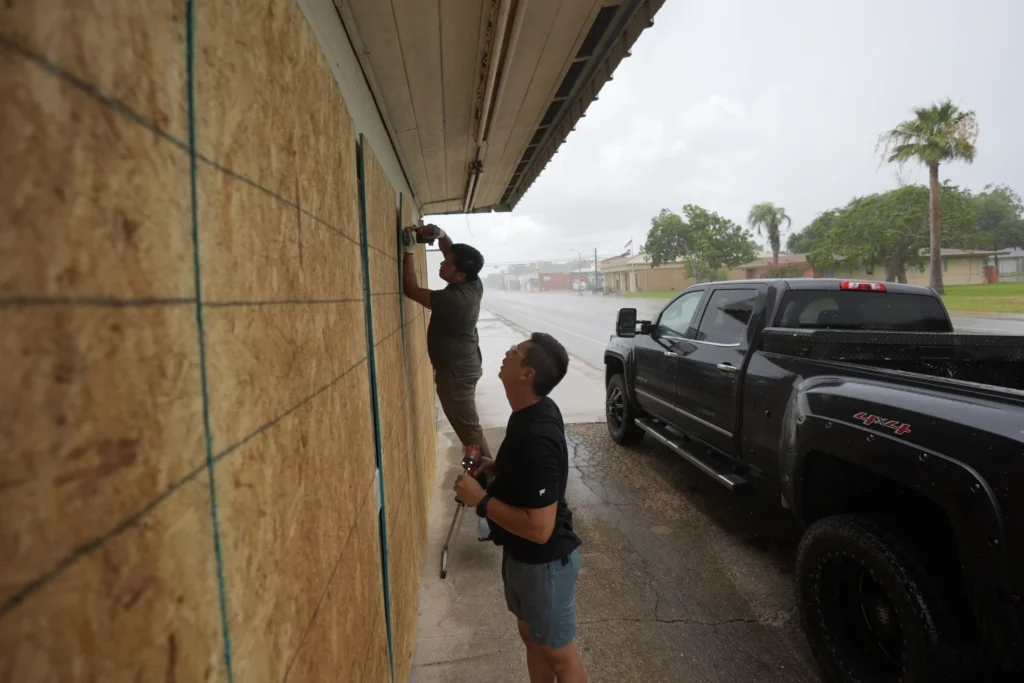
x=481 y=507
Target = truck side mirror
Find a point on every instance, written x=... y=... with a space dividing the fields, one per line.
x=625 y=324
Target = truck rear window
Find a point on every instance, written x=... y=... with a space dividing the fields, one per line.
x=845 y=310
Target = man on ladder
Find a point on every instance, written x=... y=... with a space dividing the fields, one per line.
x=452 y=341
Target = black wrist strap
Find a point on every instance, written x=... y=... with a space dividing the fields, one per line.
x=481 y=507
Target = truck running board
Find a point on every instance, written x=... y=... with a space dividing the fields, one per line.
x=706 y=464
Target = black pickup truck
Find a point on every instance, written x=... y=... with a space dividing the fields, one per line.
x=898 y=444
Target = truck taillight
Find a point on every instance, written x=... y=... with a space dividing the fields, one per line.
x=863 y=286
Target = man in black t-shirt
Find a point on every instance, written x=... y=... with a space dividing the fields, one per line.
x=526 y=510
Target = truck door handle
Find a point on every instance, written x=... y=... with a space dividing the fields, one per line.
x=727 y=367
x=671 y=354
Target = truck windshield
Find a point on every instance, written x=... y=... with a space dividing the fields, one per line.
x=846 y=310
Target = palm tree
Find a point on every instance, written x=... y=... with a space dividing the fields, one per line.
x=767 y=219
x=941 y=132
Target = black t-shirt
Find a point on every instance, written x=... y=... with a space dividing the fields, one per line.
x=531 y=471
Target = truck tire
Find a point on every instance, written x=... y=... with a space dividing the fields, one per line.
x=620 y=413
x=868 y=607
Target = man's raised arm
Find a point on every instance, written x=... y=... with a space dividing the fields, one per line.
x=410 y=285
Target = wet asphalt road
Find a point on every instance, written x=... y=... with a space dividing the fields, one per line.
x=583 y=322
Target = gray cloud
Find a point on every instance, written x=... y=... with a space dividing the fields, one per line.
x=728 y=103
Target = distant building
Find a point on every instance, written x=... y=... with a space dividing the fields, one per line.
x=1011 y=266
x=636 y=274
x=790 y=265
x=959 y=267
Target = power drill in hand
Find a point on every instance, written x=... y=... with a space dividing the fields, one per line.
x=470 y=464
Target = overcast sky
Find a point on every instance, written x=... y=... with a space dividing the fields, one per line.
x=726 y=103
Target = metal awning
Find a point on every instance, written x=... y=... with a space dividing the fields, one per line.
x=477 y=95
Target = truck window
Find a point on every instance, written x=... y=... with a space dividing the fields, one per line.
x=844 y=310
x=675 y=320
x=726 y=317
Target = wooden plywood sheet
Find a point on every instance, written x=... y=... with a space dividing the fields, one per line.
x=384 y=289
x=145 y=72
x=264 y=360
x=327 y=182
x=382 y=211
x=289 y=500
x=346 y=635
x=143 y=607
x=248 y=80
x=255 y=247
x=404 y=574
x=93 y=204
x=100 y=412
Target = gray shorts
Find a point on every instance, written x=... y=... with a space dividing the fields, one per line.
x=544 y=596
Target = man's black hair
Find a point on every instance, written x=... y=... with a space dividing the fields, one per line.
x=468 y=261
x=549 y=361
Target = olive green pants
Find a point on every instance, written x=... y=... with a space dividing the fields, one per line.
x=457 y=391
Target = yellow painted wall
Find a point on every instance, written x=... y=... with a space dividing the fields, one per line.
x=958 y=271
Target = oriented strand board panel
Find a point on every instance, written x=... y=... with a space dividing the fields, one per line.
x=289 y=500
x=100 y=412
x=145 y=70
x=92 y=204
x=142 y=607
x=106 y=519
x=347 y=640
x=257 y=248
x=264 y=360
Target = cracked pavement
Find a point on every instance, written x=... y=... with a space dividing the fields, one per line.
x=680 y=580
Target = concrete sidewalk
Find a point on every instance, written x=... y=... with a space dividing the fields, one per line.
x=680 y=581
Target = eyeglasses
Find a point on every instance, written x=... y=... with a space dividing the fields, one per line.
x=515 y=349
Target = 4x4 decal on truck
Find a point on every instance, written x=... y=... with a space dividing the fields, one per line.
x=900 y=428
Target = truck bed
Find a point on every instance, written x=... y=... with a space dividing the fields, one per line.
x=995 y=360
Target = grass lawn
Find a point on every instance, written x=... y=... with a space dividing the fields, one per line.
x=647 y=295
x=1002 y=297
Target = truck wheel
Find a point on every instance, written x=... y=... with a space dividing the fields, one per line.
x=868 y=608
x=620 y=413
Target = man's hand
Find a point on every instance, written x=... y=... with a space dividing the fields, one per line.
x=409 y=240
x=432 y=232
x=486 y=466
x=468 y=490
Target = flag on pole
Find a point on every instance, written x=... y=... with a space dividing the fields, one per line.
x=628 y=248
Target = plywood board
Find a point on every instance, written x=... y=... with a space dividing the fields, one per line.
x=327 y=182
x=347 y=640
x=100 y=412
x=255 y=247
x=248 y=86
x=382 y=210
x=145 y=71
x=265 y=360
x=289 y=500
x=93 y=204
x=143 y=607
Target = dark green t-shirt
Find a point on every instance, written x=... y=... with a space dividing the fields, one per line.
x=452 y=340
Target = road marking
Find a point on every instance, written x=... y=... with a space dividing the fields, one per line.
x=602 y=344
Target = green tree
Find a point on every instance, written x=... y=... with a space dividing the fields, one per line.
x=892 y=229
x=706 y=241
x=767 y=219
x=804 y=241
x=1000 y=219
x=937 y=134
